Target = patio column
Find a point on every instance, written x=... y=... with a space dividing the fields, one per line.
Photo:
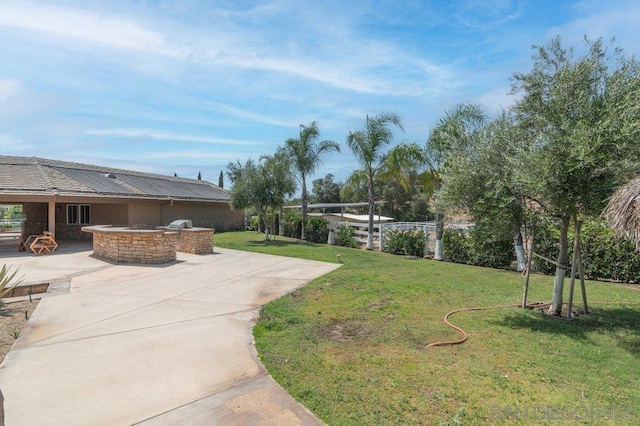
x=52 y=216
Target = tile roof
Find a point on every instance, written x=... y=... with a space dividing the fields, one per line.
x=33 y=176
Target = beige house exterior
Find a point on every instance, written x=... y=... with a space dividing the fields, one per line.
x=62 y=197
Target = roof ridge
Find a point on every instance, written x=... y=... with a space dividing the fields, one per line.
x=43 y=173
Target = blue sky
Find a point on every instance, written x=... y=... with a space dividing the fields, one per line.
x=187 y=86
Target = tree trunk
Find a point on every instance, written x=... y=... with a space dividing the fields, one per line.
x=517 y=242
x=372 y=203
x=280 y=227
x=266 y=226
x=439 y=253
x=304 y=206
x=561 y=268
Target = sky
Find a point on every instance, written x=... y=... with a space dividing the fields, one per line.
x=187 y=86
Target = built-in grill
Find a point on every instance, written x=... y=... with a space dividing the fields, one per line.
x=180 y=224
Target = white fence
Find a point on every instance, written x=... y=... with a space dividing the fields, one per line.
x=361 y=231
x=379 y=230
x=10 y=225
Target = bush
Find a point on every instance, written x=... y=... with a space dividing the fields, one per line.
x=489 y=249
x=605 y=257
x=316 y=230
x=482 y=247
x=408 y=242
x=456 y=246
x=254 y=223
x=292 y=225
x=346 y=236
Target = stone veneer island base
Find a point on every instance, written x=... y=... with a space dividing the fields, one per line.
x=124 y=245
x=195 y=240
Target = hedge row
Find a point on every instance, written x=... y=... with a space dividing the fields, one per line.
x=604 y=256
x=316 y=229
x=408 y=242
x=482 y=247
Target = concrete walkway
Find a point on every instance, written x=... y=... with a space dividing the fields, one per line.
x=156 y=345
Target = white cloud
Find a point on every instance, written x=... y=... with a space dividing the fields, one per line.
x=168 y=136
x=219 y=156
x=91 y=27
x=497 y=100
x=242 y=113
x=8 y=89
x=14 y=145
x=602 y=19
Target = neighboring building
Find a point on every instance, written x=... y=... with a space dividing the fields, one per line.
x=62 y=197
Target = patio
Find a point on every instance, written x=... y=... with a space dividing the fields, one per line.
x=158 y=344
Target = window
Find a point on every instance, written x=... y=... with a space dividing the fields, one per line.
x=78 y=214
x=72 y=214
x=85 y=214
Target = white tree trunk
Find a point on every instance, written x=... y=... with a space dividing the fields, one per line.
x=517 y=242
x=304 y=207
x=439 y=253
x=371 y=210
x=561 y=268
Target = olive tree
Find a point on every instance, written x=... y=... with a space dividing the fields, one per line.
x=262 y=185
x=479 y=177
x=452 y=135
x=581 y=114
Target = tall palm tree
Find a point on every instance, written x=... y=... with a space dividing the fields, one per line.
x=368 y=146
x=307 y=154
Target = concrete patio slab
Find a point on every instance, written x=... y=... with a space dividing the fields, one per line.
x=159 y=345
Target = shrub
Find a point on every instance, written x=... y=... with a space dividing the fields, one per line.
x=456 y=246
x=292 y=225
x=316 y=230
x=482 y=247
x=489 y=248
x=409 y=242
x=346 y=236
x=254 y=223
x=605 y=257
x=8 y=280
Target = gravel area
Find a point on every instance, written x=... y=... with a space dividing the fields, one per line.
x=12 y=320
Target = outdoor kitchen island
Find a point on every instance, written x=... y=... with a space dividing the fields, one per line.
x=125 y=245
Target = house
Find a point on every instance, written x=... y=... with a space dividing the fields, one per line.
x=62 y=197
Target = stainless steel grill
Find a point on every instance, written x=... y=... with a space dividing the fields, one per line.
x=180 y=224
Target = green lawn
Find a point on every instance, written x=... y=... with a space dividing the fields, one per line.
x=350 y=345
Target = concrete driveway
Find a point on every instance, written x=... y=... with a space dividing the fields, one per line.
x=133 y=344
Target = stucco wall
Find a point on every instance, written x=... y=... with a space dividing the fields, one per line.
x=134 y=214
x=218 y=216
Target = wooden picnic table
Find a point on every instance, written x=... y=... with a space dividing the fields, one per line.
x=39 y=244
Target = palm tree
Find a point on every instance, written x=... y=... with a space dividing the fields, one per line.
x=307 y=154
x=368 y=146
